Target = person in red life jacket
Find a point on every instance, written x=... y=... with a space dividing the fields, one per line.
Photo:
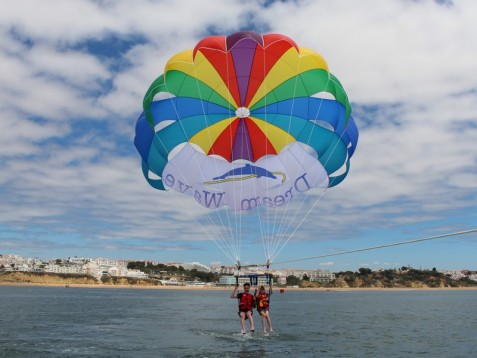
x=263 y=305
x=246 y=302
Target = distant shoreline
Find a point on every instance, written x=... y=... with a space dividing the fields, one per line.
x=20 y=279
x=223 y=288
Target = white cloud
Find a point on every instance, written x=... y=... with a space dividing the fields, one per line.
x=76 y=68
x=67 y=162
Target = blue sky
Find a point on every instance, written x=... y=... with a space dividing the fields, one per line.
x=73 y=75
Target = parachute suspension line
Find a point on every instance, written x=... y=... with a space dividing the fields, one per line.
x=300 y=223
x=278 y=220
x=221 y=245
x=255 y=212
x=464 y=232
x=280 y=241
x=236 y=236
x=309 y=210
x=307 y=193
x=281 y=238
x=232 y=240
x=265 y=232
x=224 y=241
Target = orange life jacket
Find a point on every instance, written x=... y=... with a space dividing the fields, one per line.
x=262 y=301
x=246 y=302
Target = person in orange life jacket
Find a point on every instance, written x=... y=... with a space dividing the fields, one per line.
x=246 y=303
x=263 y=306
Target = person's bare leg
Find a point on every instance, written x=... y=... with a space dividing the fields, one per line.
x=269 y=320
x=250 y=318
x=264 y=319
x=242 y=322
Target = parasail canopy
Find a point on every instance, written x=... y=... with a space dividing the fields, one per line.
x=246 y=121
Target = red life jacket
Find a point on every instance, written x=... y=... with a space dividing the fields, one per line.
x=246 y=302
x=262 y=301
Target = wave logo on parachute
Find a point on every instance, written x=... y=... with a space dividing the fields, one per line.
x=246 y=172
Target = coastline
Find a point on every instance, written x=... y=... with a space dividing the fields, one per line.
x=21 y=279
x=229 y=288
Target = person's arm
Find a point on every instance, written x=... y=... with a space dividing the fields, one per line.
x=234 y=292
x=270 y=289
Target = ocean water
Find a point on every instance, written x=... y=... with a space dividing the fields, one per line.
x=93 y=322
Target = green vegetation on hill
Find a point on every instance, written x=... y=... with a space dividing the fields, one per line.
x=404 y=277
x=162 y=271
x=394 y=278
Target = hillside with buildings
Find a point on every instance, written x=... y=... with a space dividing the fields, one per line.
x=15 y=269
x=62 y=279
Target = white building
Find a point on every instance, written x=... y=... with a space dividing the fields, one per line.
x=458 y=274
x=118 y=271
x=322 y=276
x=231 y=280
x=74 y=269
x=216 y=268
x=227 y=280
x=92 y=269
x=105 y=262
x=78 y=260
x=171 y=282
x=16 y=260
x=136 y=274
x=453 y=274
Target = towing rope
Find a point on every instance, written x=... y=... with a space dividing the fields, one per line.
x=382 y=246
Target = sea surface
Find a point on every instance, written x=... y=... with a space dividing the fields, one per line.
x=94 y=322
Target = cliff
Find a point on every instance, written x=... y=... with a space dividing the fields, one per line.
x=364 y=278
x=393 y=278
x=40 y=278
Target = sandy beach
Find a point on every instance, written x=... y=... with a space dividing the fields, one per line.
x=25 y=279
x=230 y=288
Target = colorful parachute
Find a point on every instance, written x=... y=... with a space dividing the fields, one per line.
x=245 y=120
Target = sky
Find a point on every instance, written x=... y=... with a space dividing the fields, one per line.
x=73 y=75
